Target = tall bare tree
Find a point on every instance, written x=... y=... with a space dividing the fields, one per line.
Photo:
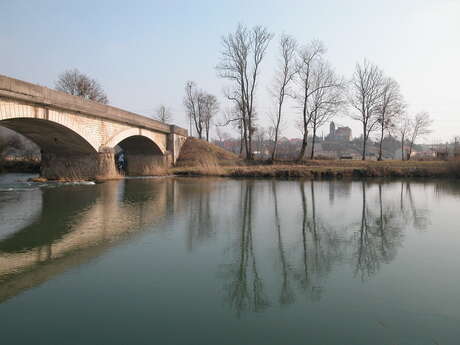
x=76 y=83
x=192 y=108
x=284 y=77
x=242 y=54
x=420 y=127
x=163 y=114
x=365 y=98
x=315 y=80
x=391 y=106
x=308 y=57
x=327 y=100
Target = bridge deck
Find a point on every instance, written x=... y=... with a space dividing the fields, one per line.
x=11 y=88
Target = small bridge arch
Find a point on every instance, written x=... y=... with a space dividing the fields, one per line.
x=125 y=135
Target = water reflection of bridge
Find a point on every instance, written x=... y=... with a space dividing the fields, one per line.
x=67 y=227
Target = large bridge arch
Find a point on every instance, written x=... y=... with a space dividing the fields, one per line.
x=28 y=119
x=50 y=136
x=65 y=153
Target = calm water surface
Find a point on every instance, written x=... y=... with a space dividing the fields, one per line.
x=214 y=261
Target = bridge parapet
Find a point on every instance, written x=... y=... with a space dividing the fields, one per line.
x=41 y=95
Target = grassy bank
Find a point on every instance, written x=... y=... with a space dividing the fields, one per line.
x=329 y=169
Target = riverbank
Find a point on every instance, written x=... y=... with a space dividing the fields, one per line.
x=328 y=169
x=200 y=158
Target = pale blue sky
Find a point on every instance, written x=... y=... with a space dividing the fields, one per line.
x=142 y=52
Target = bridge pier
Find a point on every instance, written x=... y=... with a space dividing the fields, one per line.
x=100 y=165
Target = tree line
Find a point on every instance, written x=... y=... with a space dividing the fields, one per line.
x=305 y=76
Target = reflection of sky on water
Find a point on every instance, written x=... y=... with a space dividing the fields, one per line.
x=18 y=210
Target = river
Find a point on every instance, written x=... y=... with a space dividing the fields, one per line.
x=222 y=261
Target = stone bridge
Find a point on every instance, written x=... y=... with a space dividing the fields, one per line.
x=79 y=138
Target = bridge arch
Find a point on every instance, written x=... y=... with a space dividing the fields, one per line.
x=42 y=125
x=147 y=141
x=142 y=153
x=50 y=136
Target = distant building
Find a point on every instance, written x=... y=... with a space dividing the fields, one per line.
x=339 y=133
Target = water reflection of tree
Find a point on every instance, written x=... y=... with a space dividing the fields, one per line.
x=304 y=265
x=378 y=236
x=200 y=225
x=246 y=290
x=321 y=246
x=418 y=217
x=287 y=293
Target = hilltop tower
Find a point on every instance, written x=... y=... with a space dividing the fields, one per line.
x=332 y=130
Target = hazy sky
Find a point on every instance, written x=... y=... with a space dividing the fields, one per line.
x=142 y=52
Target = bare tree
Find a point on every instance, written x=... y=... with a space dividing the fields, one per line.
x=284 y=76
x=327 y=100
x=242 y=54
x=163 y=114
x=318 y=85
x=210 y=108
x=192 y=106
x=403 y=127
x=365 y=96
x=420 y=127
x=391 y=106
x=76 y=83
x=308 y=57
x=200 y=107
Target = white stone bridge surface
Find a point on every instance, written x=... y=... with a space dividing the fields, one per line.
x=79 y=138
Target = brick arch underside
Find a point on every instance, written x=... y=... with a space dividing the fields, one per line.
x=65 y=154
x=139 y=145
x=137 y=141
x=143 y=156
x=50 y=136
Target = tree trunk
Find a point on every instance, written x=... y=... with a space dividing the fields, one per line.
x=402 y=147
x=364 y=140
x=245 y=136
x=276 y=133
x=313 y=143
x=364 y=148
x=304 y=146
x=274 y=147
x=410 y=150
x=380 y=146
x=250 y=155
